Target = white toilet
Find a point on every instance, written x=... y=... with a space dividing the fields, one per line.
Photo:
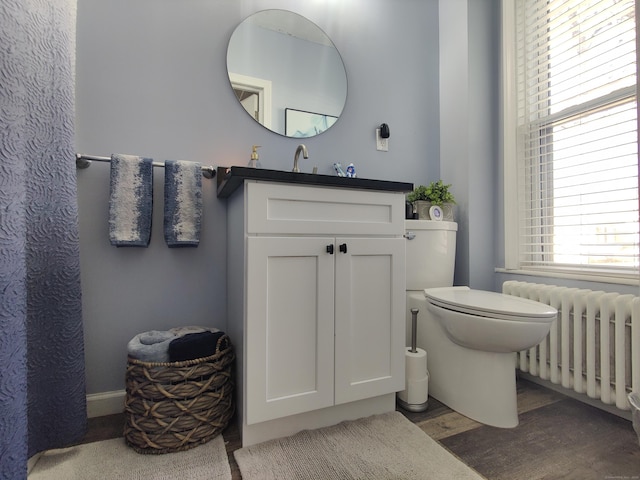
x=470 y=335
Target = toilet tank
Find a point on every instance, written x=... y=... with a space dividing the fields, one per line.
x=431 y=253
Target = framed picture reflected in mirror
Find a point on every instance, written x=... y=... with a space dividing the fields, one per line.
x=301 y=124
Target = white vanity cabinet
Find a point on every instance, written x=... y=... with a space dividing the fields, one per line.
x=316 y=297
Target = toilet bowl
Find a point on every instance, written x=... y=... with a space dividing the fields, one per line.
x=470 y=336
x=472 y=356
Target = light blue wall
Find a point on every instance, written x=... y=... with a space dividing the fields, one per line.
x=469 y=73
x=151 y=80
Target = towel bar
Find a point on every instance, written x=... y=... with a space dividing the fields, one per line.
x=83 y=161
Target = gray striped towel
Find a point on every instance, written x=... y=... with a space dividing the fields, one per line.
x=131 y=201
x=182 y=203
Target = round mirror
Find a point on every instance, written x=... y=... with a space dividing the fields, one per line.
x=286 y=73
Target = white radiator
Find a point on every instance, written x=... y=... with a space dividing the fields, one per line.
x=593 y=347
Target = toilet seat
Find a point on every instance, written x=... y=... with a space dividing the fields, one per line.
x=490 y=304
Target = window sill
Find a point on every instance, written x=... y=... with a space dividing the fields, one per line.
x=587 y=277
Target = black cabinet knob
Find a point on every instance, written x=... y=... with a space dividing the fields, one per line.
x=343 y=248
x=330 y=249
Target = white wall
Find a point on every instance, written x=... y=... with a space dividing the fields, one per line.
x=151 y=80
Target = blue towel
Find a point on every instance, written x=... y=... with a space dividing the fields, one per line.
x=131 y=202
x=194 y=345
x=182 y=203
x=151 y=346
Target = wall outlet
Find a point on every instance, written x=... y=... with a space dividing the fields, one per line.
x=382 y=144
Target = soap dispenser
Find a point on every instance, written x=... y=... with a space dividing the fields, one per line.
x=253 y=163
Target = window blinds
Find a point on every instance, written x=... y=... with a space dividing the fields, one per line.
x=577 y=135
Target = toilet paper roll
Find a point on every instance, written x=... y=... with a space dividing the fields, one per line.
x=417 y=391
x=415 y=364
x=416 y=377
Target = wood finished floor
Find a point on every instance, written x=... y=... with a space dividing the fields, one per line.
x=558 y=438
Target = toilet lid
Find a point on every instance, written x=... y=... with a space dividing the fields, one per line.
x=490 y=304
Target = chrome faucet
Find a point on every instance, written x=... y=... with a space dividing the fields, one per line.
x=305 y=154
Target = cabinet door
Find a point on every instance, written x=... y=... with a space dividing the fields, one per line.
x=370 y=318
x=289 y=326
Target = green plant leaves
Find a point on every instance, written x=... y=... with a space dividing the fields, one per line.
x=436 y=192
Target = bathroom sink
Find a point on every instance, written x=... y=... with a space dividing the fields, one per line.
x=230 y=178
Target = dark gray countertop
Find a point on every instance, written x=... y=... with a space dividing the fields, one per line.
x=230 y=178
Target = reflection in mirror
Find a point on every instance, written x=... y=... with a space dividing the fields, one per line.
x=280 y=63
x=254 y=94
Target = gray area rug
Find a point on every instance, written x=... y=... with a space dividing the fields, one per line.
x=112 y=459
x=381 y=447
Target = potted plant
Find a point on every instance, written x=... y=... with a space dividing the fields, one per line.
x=435 y=194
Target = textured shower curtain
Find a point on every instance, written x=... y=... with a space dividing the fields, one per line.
x=42 y=390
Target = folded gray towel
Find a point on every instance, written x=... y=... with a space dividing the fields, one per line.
x=181 y=331
x=152 y=346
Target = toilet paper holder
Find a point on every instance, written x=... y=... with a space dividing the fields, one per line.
x=414 y=329
x=415 y=396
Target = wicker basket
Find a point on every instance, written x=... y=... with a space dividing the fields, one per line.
x=170 y=407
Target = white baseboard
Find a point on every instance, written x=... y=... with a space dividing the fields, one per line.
x=105 y=403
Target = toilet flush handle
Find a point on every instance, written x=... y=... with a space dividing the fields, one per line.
x=410 y=235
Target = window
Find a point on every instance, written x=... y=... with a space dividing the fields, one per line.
x=574 y=139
